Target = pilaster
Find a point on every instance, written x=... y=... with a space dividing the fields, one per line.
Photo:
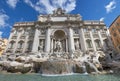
x=51 y=45
x=66 y=45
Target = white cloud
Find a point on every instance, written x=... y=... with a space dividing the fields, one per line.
x=102 y=19
x=34 y=6
x=47 y=6
x=3 y=19
x=1 y=34
x=110 y=6
x=12 y=3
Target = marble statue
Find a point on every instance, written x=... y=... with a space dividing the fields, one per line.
x=40 y=48
x=77 y=45
x=58 y=46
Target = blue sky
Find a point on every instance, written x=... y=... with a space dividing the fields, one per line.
x=12 y=11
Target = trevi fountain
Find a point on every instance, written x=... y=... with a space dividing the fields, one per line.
x=60 y=44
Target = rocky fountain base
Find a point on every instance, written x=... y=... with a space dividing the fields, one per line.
x=91 y=62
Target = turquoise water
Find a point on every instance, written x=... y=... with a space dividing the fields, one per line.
x=37 y=77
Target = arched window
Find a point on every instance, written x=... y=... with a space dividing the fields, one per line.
x=97 y=43
x=20 y=44
x=89 y=43
x=11 y=45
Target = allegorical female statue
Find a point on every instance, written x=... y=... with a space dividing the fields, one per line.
x=77 y=45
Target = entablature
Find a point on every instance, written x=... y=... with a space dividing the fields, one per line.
x=93 y=22
x=19 y=24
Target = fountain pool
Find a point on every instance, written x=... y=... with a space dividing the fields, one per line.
x=75 y=77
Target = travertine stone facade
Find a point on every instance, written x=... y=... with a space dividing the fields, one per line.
x=58 y=32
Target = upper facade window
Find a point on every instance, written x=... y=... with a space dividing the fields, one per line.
x=115 y=34
x=20 y=44
x=11 y=44
x=25 y=32
x=75 y=31
x=117 y=24
x=15 y=32
x=103 y=30
x=113 y=29
x=94 y=30
x=119 y=30
x=85 y=30
x=43 y=31
x=31 y=32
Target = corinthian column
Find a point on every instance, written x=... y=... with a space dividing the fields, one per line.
x=8 y=44
x=36 y=41
x=101 y=40
x=47 y=41
x=93 y=43
x=71 y=41
x=82 y=40
x=18 y=39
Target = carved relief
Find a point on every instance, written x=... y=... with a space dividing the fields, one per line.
x=43 y=31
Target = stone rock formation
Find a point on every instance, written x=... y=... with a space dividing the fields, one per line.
x=59 y=64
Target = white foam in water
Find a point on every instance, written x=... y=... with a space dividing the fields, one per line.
x=64 y=74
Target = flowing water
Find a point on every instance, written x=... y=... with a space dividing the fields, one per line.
x=76 y=77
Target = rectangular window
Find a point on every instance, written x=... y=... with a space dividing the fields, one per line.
x=75 y=31
x=119 y=30
x=117 y=24
x=85 y=30
x=94 y=30
x=114 y=34
x=113 y=29
x=119 y=47
x=15 y=32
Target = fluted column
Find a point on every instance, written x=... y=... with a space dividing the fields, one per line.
x=18 y=39
x=71 y=41
x=36 y=41
x=47 y=41
x=82 y=40
x=93 y=43
x=25 y=44
x=8 y=43
x=101 y=40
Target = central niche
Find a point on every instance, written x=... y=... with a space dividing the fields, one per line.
x=59 y=34
x=59 y=41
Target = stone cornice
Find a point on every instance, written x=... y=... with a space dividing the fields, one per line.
x=21 y=24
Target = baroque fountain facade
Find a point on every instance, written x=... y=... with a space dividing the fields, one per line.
x=58 y=43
